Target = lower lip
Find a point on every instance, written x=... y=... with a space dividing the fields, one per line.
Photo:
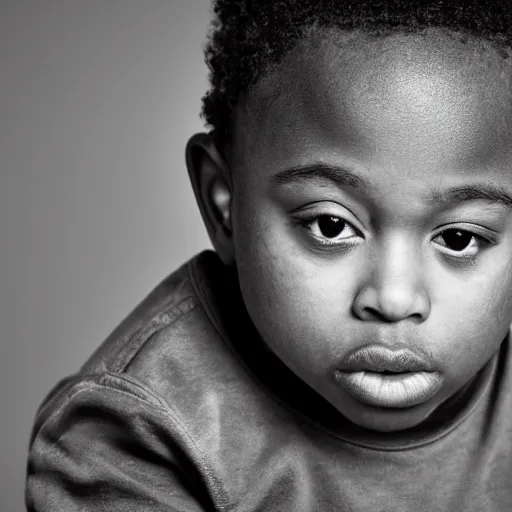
x=398 y=390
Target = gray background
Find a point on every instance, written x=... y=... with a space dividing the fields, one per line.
x=97 y=100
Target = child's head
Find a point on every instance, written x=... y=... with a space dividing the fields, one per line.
x=359 y=176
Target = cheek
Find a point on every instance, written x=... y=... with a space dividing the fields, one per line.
x=301 y=302
x=470 y=317
x=494 y=308
x=298 y=303
x=487 y=299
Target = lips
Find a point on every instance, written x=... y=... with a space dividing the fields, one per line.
x=381 y=359
x=380 y=377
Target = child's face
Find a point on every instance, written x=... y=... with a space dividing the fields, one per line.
x=372 y=207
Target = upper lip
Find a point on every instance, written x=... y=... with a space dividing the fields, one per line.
x=382 y=359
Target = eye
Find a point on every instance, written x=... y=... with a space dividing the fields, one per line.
x=329 y=229
x=461 y=243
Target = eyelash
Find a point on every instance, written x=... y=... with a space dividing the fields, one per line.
x=307 y=222
x=480 y=241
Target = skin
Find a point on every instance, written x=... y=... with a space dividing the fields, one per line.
x=414 y=117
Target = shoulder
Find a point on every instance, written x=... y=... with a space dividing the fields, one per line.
x=169 y=369
x=172 y=353
x=164 y=337
x=138 y=387
x=173 y=298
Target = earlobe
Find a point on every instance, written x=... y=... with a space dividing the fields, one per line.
x=211 y=181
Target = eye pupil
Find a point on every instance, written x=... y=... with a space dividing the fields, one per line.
x=330 y=227
x=457 y=240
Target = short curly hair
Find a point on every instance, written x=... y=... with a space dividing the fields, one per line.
x=248 y=37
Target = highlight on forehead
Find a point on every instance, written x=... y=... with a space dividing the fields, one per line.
x=248 y=37
x=474 y=61
x=272 y=93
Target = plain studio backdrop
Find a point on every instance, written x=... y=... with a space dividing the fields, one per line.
x=97 y=100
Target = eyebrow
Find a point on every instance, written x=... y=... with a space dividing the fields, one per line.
x=478 y=192
x=340 y=176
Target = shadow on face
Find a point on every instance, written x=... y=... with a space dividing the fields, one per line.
x=371 y=206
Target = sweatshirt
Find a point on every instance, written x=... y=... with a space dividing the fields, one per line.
x=184 y=408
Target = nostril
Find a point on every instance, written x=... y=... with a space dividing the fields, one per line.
x=372 y=314
x=386 y=305
x=375 y=314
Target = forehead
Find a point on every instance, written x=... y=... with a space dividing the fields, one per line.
x=432 y=97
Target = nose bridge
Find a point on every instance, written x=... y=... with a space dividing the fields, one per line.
x=396 y=263
x=395 y=289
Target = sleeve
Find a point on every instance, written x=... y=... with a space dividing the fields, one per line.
x=98 y=447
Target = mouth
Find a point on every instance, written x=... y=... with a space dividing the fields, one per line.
x=379 y=377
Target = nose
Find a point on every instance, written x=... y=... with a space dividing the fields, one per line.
x=394 y=289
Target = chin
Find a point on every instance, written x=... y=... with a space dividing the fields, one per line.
x=388 y=419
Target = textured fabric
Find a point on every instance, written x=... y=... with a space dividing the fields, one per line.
x=183 y=408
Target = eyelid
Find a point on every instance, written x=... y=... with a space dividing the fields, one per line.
x=462 y=255
x=481 y=237
x=324 y=243
x=490 y=235
x=346 y=214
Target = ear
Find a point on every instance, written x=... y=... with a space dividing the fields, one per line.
x=211 y=181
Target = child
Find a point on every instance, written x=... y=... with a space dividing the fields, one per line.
x=345 y=348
